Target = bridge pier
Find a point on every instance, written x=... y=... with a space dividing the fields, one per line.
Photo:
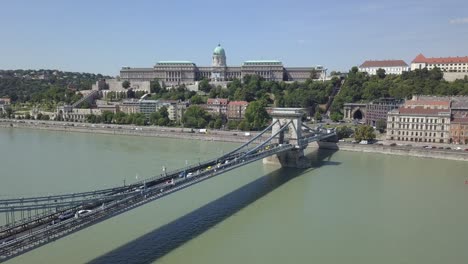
x=292 y=118
x=291 y=159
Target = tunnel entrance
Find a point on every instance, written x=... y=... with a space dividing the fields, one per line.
x=358 y=115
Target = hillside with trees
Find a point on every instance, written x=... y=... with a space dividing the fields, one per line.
x=44 y=85
x=361 y=87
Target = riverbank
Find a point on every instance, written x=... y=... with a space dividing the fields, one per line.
x=414 y=151
x=130 y=130
x=224 y=136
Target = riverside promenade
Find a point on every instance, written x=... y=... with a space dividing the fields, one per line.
x=402 y=150
x=131 y=130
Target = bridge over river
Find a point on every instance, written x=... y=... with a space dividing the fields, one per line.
x=35 y=221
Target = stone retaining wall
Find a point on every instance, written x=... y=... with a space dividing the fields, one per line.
x=399 y=150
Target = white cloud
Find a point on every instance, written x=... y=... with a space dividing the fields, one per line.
x=301 y=41
x=462 y=20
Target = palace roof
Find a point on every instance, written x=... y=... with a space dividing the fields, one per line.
x=422 y=59
x=383 y=63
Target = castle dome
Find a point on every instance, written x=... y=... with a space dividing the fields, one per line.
x=219 y=51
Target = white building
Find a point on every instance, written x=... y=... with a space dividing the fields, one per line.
x=447 y=64
x=390 y=66
x=420 y=120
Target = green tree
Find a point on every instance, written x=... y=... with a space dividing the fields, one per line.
x=197 y=99
x=318 y=116
x=218 y=123
x=233 y=124
x=204 y=86
x=107 y=117
x=8 y=112
x=85 y=105
x=256 y=116
x=195 y=117
x=381 y=125
x=343 y=132
x=155 y=86
x=364 y=133
x=381 y=73
x=154 y=118
x=126 y=84
x=91 y=118
x=336 y=116
x=244 y=125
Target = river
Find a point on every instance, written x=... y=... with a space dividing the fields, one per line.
x=348 y=208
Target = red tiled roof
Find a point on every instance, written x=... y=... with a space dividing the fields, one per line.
x=423 y=102
x=383 y=63
x=419 y=110
x=421 y=59
x=238 y=103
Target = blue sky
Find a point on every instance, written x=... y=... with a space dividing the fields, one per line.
x=102 y=36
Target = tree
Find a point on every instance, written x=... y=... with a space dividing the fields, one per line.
x=126 y=84
x=155 y=86
x=197 y=99
x=244 y=125
x=85 y=105
x=318 y=116
x=204 y=86
x=195 y=117
x=364 y=133
x=336 y=116
x=256 y=116
x=232 y=124
x=218 y=123
x=381 y=73
x=91 y=118
x=107 y=117
x=9 y=112
x=381 y=125
x=343 y=132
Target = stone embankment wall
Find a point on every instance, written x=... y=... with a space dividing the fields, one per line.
x=166 y=132
x=399 y=150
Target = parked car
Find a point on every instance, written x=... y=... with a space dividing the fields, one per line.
x=392 y=144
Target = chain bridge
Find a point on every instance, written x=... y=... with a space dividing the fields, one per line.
x=34 y=221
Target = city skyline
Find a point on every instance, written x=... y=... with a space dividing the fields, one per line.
x=103 y=37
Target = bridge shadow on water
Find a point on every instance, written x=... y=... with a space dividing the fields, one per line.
x=162 y=240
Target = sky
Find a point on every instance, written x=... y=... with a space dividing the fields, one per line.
x=103 y=36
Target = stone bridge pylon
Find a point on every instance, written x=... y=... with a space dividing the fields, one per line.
x=292 y=118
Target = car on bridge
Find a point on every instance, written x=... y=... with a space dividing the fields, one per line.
x=66 y=215
x=82 y=212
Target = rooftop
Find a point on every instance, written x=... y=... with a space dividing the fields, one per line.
x=175 y=63
x=420 y=110
x=383 y=63
x=422 y=59
x=262 y=62
x=238 y=103
x=445 y=103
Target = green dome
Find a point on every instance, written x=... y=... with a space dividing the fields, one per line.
x=219 y=51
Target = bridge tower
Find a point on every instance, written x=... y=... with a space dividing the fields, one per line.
x=291 y=117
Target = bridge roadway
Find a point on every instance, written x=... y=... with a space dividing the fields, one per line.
x=32 y=236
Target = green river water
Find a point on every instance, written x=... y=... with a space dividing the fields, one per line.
x=348 y=208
